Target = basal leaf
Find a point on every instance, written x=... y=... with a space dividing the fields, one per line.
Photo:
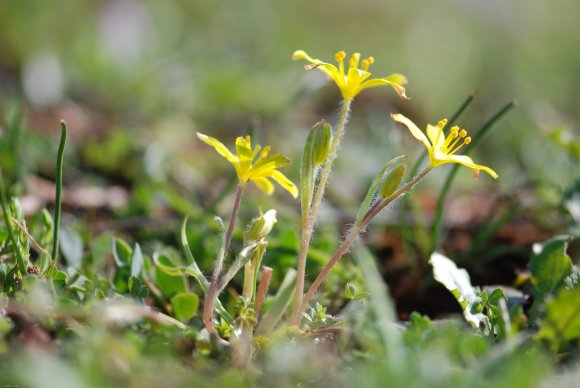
x=562 y=320
x=550 y=265
x=121 y=252
x=184 y=306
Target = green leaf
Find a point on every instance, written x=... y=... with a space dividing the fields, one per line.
x=71 y=246
x=121 y=252
x=496 y=295
x=193 y=270
x=307 y=172
x=381 y=304
x=137 y=261
x=550 y=265
x=562 y=321
x=137 y=287
x=458 y=282
x=80 y=283
x=377 y=182
x=168 y=284
x=185 y=306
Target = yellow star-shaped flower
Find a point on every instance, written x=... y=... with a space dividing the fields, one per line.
x=253 y=165
x=442 y=149
x=354 y=80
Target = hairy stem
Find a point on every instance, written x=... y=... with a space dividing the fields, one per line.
x=309 y=227
x=352 y=235
x=212 y=292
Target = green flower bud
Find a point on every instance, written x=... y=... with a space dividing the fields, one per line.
x=261 y=226
x=322 y=140
x=392 y=181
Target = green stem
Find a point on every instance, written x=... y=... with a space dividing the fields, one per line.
x=447 y=185
x=5 y=212
x=309 y=227
x=212 y=292
x=352 y=235
x=57 y=202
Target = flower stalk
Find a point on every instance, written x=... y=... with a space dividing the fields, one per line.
x=212 y=292
x=353 y=234
x=308 y=226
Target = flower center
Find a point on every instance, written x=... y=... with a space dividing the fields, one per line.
x=353 y=62
x=451 y=144
x=455 y=136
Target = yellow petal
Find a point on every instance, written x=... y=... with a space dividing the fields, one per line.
x=467 y=161
x=219 y=147
x=264 y=167
x=285 y=183
x=330 y=70
x=245 y=154
x=433 y=134
x=333 y=73
x=353 y=82
x=264 y=184
x=388 y=81
x=415 y=131
x=301 y=54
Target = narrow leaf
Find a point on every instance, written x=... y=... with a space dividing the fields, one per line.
x=377 y=182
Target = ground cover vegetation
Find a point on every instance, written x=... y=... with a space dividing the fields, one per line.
x=341 y=233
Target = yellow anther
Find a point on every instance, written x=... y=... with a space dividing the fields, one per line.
x=340 y=56
x=467 y=140
x=367 y=62
x=454 y=132
x=265 y=152
x=442 y=123
x=354 y=61
x=463 y=133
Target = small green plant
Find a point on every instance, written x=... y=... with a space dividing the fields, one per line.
x=161 y=298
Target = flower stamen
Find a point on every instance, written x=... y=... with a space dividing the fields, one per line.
x=366 y=63
x=466 y=141
x=353 y=63
x=441 y=124
x=340 y=60
x=452 y=139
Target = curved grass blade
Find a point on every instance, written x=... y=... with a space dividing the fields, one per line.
x=57 y=201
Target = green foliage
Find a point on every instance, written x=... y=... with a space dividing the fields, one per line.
x=185 y=306
x=550 y=266
x=561 y=326
x=122 y=308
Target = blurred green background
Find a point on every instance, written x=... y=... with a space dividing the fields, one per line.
x=135 y=79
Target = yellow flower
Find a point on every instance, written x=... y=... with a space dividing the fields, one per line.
x=354 y=80
x=442 y=149
x=253 y=167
